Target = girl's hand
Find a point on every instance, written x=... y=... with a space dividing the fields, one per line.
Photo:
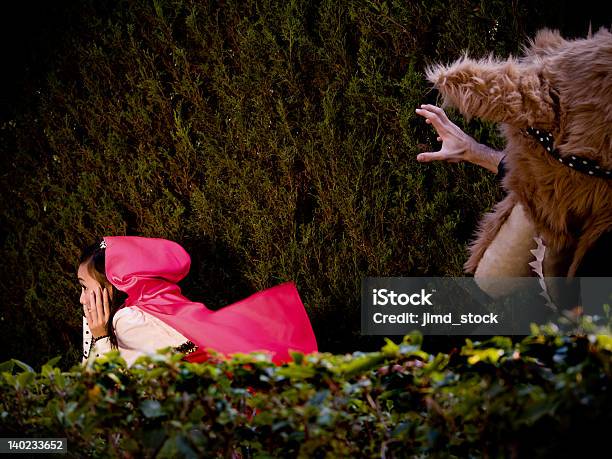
x=98 y=312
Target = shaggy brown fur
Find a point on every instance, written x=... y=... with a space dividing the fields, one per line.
x=563 y=87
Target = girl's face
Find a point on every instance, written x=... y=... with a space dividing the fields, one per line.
x=88 y=284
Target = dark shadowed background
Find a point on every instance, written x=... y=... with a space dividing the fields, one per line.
x=274 y=140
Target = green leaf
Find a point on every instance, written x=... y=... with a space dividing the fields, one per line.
x=185 y=448
x=400 y=429
x=415 y=338
x=23 y=366
x=296 y=371
x=7 y=366
x=390 y=349
x=60 y=380
x=115 y=378
x=9 y=378
x=605 y=341
x=169 y=450
x=53 y=361
x=360 y=364
x=151 y=409
x=298 y=357
x=490 y=355
x=153 y=438
x=318 y=398
x=25 y=378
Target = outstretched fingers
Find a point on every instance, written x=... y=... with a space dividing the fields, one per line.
x=430 y=156
x=435 y=116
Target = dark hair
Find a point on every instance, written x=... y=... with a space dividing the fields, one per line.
x=95 y=260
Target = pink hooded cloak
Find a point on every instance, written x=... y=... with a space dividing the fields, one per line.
x=272 y=321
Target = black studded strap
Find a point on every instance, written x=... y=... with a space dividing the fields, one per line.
x=578 y=163
x=187 y=348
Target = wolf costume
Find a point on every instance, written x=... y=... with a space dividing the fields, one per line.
x=555 y=108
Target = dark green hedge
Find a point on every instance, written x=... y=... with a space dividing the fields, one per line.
x=274 y=140
x=547 y=396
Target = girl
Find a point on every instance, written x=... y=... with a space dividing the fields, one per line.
x=131 y=303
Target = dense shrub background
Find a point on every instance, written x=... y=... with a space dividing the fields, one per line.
x=274 y=140
x=546 y=396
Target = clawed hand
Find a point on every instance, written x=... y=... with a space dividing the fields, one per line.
x=456 y=145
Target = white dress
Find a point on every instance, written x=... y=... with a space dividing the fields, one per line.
x=138 y=333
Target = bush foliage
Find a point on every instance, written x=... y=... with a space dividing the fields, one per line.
x=546 y=396
x=274 y=140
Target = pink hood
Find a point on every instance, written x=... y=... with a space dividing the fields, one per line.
x=147 y=269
